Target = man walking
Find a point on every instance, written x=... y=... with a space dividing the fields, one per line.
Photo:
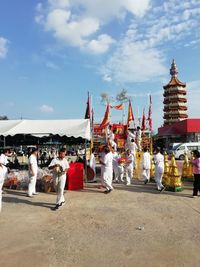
x=59 y=166
x=33 y=170
x=159 y=169
x=146 y=165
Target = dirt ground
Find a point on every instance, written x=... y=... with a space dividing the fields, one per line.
x=133 y=226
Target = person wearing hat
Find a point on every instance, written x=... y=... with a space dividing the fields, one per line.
x=32 y=170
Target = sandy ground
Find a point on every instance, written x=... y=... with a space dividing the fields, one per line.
x=133 y=226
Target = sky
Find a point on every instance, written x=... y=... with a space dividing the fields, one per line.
x=53 y=52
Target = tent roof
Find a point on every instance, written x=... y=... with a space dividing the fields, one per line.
x=76 y=128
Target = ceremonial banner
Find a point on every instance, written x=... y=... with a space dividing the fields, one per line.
x=150 y=115
x=118 y=107
x=106 y=119
x=130 y=114
x=87 y=112
x=143 y=127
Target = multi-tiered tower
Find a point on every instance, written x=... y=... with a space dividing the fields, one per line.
x=175 y=99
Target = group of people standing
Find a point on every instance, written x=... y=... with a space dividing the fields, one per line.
x=116 y=167
x=59 y=166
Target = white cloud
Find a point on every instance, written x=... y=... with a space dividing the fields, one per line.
x=75 y=22
x=193 y=89
x=134 y=62
x=46 y=109
x=51 y=65
x=101 y=44
x=3 y=47
x=140 y=55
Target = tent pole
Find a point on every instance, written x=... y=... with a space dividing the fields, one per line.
x=4 y=141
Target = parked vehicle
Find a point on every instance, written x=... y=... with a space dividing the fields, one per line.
x=180 y=150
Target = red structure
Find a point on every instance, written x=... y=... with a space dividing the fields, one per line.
x=175 y=99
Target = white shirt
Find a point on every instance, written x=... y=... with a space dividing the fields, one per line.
x=115 y=159
x=92 y=161
x=108 y=160
x=32 y=161
x=3 y=159
x=62 y=162
x=132 y=163
x=159 y=161
x=146 y=161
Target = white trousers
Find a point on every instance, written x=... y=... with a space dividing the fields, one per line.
x=129 y=175
x=146 y=174
x=32 y=185
x=107 y=178
x=59 y=184
x=116 y=173
x=1 y=185
x=158 y=178
x=121 y=173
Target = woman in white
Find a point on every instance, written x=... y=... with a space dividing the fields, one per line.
x=146 y=165
x=59 y=166
x=33 y=170
x=159 y=169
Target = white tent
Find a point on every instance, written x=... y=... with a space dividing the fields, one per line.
x=76 y=128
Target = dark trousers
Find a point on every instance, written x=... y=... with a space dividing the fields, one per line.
x=196 y=184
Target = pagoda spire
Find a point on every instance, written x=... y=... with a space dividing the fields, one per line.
x=173 y=70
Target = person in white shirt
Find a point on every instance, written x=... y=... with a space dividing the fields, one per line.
x=92 y=164
x=110 y=137
x=108 y=170
x=33 y=170
x=146 y=165
x=115 y=165
x=60 y=167
x=3 y=171
x=132 y=146
x=129 y=166
x=159 y=169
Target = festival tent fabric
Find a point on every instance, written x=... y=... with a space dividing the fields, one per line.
x=40 y=128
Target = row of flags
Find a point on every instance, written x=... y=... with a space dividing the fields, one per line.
x=89 y=114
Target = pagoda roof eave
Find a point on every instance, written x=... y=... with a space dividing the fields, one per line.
x=174 y=82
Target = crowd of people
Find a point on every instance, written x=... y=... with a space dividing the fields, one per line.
x=116 y=166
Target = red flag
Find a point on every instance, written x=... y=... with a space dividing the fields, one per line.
x=92 y=122
x=143 y=127
x=87 y=112
x=118 y=107
x=130 y=114
x=106 y=119
x=150 y=114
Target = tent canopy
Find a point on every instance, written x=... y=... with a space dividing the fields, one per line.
x=40 y=128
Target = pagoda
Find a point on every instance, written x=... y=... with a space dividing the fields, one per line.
x=175 y=99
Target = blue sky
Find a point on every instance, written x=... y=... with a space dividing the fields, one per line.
x=52 y=52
